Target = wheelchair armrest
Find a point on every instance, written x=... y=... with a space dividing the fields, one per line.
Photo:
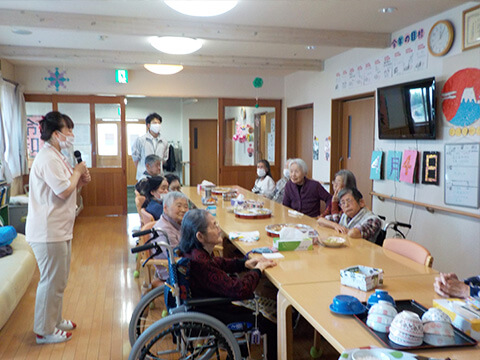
x=207 y=301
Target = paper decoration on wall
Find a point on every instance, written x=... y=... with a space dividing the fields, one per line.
x=316 y=148
x=34 y=142
x=394 y=161
x=376 y=165
x=326 y=147
x=243 y=133
x=430 y=167
x=409 y=163
x=461 y=102
x=56 y=79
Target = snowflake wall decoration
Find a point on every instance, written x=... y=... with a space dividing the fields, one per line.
x=57 y=79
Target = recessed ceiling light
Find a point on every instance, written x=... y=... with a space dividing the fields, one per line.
x=202 y=8
x=21 y=31
x=163 y=69
x=387 y=10
x=310 y=47
x=175 y=45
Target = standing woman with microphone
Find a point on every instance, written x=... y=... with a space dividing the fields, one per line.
x=49 y=229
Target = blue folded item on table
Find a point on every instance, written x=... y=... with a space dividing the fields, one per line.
x=7 y=234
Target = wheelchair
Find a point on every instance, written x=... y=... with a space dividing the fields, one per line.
x=394 y=225
x=171 y=329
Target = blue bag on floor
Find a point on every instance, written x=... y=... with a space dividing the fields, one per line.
x=7 y=234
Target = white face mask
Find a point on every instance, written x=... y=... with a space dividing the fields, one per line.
x=67 y=143
x=155 y=128
x=286 y=173
x=261 y=172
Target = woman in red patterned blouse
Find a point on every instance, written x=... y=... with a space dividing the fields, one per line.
x=209 y=275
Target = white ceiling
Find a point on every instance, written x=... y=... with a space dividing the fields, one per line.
x=257 y=34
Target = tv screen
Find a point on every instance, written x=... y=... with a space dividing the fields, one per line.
x=407 y=111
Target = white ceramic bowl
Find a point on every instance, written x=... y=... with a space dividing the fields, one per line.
x=382 y=319
x=408 y=322
x=383 y=308
x=404 y=339
x=378 y=326
x=438 y=328
x=438 y=340
x=435 y=314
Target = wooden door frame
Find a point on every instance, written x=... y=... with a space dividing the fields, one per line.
x=337 y=131
x=191 y=147
x=277 y=104
x=292 y=130
x=54 y=99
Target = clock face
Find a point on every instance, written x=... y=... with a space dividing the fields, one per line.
x=440 y=38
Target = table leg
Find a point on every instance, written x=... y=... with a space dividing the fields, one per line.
x=284 y=328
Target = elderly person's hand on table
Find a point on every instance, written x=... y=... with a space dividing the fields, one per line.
x=448 y=285
x=259 y=263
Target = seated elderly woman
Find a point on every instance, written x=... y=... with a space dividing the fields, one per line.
x=342 y=179
x=356 y=221
x=209 y=275
x=175 y=205
x=303 y=194
x=279 y=191
x=173 y=182
x=448 y=285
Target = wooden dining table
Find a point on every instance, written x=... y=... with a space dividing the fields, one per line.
x=308 y=280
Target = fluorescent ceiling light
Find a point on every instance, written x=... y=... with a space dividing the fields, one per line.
x=175 y=45
x=201 y=8
x=163 y=69
x=387 y=10
x=21 y=31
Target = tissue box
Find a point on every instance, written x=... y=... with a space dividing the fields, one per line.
x=293 y=244
x=460 y=317
x=361 y=277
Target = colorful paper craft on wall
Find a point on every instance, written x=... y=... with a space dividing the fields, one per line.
x=376 y=165
x=430 y=167
x=409 y=163
x=394 y=161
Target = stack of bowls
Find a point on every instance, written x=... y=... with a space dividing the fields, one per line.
x=437 y=328
x=406 y=329
x=380 y=316
x=380 y=295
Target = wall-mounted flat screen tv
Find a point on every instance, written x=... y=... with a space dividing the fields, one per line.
x=407 y=111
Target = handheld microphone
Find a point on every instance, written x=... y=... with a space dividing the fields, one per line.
x=78 y=156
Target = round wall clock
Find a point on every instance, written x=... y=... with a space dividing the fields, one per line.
x=440 y=38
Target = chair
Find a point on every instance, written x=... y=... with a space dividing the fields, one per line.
x=409 y=249
x=145 y=217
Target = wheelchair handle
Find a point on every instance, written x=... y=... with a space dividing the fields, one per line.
x=150 y=245
x=144 y=232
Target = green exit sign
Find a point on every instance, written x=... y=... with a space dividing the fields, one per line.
x=121 y=76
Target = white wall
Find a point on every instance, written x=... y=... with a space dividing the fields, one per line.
x=453 y=240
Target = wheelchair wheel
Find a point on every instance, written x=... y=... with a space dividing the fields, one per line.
x=188 y=335
x=149 y=310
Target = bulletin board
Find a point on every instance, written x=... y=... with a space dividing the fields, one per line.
x=462 y=179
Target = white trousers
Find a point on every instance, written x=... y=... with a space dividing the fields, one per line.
x=53 y=261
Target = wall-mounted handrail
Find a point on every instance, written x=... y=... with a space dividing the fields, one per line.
x=429 y=207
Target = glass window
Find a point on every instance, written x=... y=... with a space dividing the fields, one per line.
x=134 y=130
x=249 y=135
x=80 y=114
x=108 y=135
x=35 y=111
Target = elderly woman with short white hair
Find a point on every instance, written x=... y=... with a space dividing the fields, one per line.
x=303 y=194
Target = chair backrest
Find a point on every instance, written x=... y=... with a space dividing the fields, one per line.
x=409 y=249
x=145 y=216
x=139 y=200
x=179 y=273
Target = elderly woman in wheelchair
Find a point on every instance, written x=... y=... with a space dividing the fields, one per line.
x=199 y=326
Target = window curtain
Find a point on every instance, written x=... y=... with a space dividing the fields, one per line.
x=13 y=130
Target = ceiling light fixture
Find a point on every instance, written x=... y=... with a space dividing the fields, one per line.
x=202 y=8
x=163 y=69
x=387 y=10
x=310 y=47
x=175 y=45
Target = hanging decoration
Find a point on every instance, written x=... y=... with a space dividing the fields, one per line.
x=250 y=150
x=257 y=83
x=243 y=133
x=57 y=79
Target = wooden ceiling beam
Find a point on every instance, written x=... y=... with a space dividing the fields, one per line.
x=129 y=58
x=202 y=30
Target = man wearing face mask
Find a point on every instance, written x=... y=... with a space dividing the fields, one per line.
x=152 y=143
x=280 y=185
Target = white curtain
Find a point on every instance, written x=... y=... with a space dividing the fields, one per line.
x=13 y=130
